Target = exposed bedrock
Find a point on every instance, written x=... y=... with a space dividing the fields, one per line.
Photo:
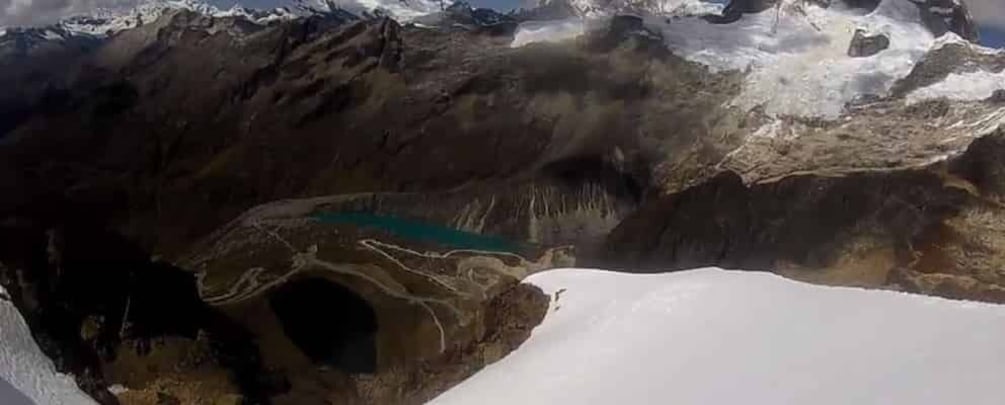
x=934 y=229
x=863 y=44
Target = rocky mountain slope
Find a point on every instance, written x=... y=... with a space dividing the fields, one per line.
x=190 y=203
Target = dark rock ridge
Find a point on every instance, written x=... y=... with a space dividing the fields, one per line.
x=30 y=42
x=940 y=62
x=863 y=44
x=735 y=10
x=924 y=230
x=185 y=200
x=943 y=16
x=997 y=97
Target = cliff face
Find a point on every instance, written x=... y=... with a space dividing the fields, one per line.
x=328 y=208
x=924 y=230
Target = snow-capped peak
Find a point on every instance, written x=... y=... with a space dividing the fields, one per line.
x=600 y=8
x=802 y=58
x=106 y=21
x=401 y=10
x=256 y=15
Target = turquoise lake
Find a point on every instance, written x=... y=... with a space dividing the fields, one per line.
x=417 y=230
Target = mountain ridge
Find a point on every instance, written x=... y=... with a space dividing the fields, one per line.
x=206 y=169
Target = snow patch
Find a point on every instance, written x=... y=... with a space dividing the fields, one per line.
x=26 y=368
x=968 y=86
x=548 y=31
x=772 y=130
x=711 y=336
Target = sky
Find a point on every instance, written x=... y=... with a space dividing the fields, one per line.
x=990 y=14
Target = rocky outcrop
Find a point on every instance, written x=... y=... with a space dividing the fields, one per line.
x=943 y=16
x=913 y=229
x=997 y=97
x=869 y=5
x=945 y=60
x=863 y=44
x=735 y=10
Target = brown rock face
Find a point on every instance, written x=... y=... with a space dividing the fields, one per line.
x=863 y=44
x=930 y=230
x=724 y=222
x=955 y=15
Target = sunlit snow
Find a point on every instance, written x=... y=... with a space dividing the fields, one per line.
x=24 y=367
x=548 y=31
x=711 y=336
x=976 y=85
x=797 y=55
x=401 y=10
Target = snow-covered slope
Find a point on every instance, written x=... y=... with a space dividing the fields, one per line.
x=401 y=10
x=797 y=56
x=597 y=8
x=726 y=337
x=975 y=85
x=25 y=368
x=548 y=31
x=106 y=21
